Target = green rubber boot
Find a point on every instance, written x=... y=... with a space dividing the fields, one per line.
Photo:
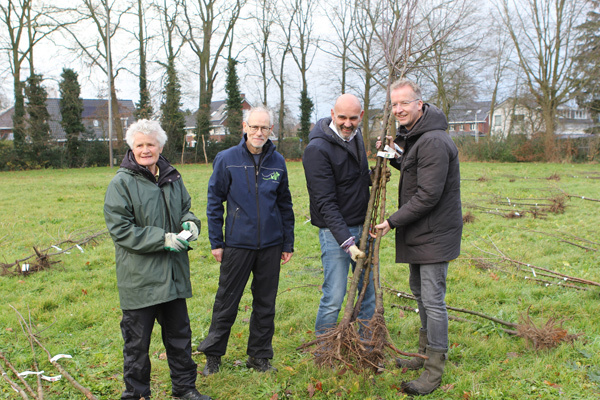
x=431 y=378
x=415 y=362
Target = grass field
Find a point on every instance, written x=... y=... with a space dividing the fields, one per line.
x=74 y=304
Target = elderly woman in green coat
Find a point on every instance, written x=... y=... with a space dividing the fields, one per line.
x=147 y=212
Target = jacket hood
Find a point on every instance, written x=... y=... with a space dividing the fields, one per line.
x=433 y=119
x=168 y=173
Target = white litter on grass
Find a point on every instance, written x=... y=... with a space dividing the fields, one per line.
x=79 y=247
x=59 y=356
x=51 y=378
x=24 y=267
x=25 y=373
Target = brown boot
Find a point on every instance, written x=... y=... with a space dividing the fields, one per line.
x=415 y=362
x=431 y=378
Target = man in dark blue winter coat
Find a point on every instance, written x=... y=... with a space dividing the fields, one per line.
x=252 y=179
x=337 y=178
x=428 y=222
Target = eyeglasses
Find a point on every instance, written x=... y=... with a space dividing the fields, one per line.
x=255 y=128
x=403 y=104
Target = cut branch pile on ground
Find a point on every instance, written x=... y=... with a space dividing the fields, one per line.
x=543 y=336
x=42 y=258
x=21 y=386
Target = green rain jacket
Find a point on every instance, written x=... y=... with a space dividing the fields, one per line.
x=138 y=212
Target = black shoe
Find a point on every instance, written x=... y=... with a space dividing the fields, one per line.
x=192 y=395
x=260 y=364
x=212 y=365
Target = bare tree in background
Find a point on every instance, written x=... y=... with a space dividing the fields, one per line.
x=277 y=66
x=264 y=15
x=303 y=46
x=144 y=107
x=543 y=32
x=366 y=58
x=340 y=18
x=23 y=25
x=498 y=58
x=78 y=22
x=450 y=62
x=206 y=25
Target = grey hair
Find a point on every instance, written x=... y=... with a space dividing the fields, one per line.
x=261 y=108
x=147 y=127
x=402 y=82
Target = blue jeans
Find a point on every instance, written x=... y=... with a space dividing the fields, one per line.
x=336 y=264
x=428 y=284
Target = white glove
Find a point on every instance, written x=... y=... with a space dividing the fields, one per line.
x=355 y=253
x=175 y=244
x=192 y=228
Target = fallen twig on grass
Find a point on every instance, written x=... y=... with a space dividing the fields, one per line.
x=30 y=335
x=548 y=335
x=484 y=264
x=561 y=236
x=42 y=257
x=14 y=385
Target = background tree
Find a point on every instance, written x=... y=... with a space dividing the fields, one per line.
x=233 y=104
x=543 y=32
x=277 y=67
x=366 y=59
x=172 y=118
x=78 y=22
x=301 y=48
x=264 y=15
x=38 y=129
x=24 y=29
x=71 y=110
x=203 y=20
x=587 y=61
x=340 y=15
x=143 y=109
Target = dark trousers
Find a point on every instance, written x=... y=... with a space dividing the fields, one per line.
x=136 y=327
x=236 y=266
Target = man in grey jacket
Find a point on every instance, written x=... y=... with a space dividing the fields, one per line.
x=428 y=222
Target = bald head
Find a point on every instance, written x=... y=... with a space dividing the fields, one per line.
x=347 y=113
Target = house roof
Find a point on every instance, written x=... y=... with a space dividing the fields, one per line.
x=218 y=114
x=469 y=111
x=94 y=111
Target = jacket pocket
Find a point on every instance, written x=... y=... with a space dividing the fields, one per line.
x=419 y=232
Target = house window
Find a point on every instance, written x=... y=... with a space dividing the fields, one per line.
x=497 y=120
x=519 y=118
x=124 y=122
x=472 y=127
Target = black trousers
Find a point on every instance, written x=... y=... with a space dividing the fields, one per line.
x=236 y=266
x=136 y=327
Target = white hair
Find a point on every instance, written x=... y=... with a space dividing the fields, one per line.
x=261 y=108
x=147 y=127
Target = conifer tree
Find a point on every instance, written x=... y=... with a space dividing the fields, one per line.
x=306 y=109
x=38 y=128
x=234 y=99
x=172 y=119
x=71 y=110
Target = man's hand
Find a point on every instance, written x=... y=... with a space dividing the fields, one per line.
x=379 y=145
x=285 y=257
x=384 y=226
x=175 y=244
x=217 y=254
x=356 y=253
x=192 y=228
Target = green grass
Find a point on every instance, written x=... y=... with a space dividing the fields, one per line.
x=74 y=305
